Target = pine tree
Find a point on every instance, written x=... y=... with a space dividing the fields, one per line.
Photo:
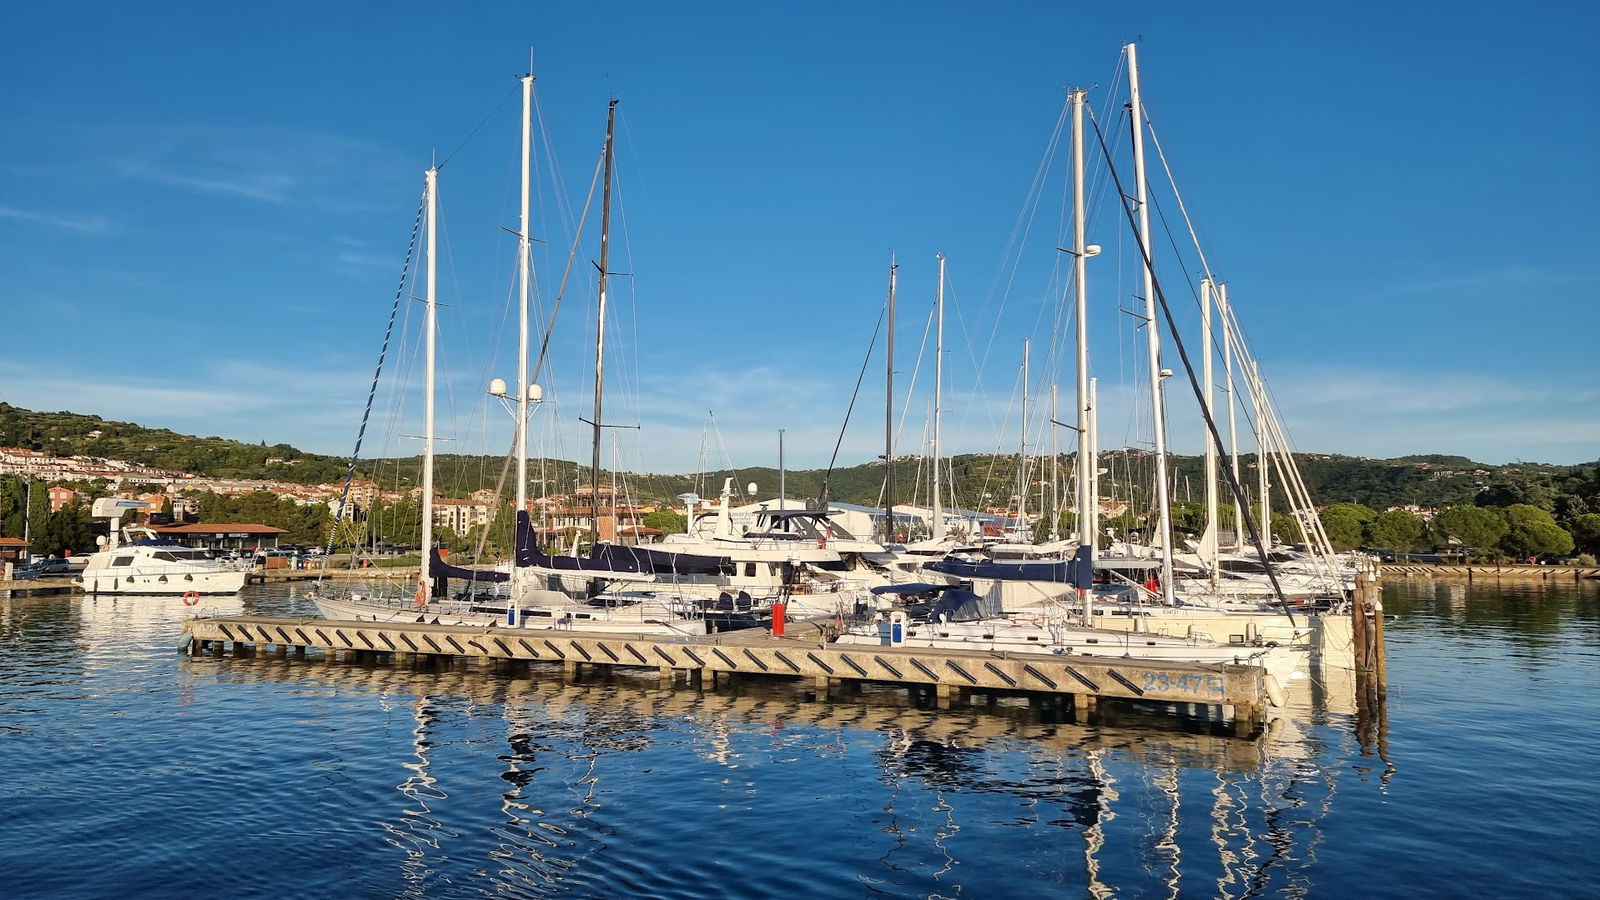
x=11 y=507
x=38 y=509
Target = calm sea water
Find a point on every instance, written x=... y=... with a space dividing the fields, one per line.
x=132 y=770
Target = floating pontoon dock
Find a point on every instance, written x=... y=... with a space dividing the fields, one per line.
x=1215 y=691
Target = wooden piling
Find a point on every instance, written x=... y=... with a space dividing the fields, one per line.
x=1358 y=620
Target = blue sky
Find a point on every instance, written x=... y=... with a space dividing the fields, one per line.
x=204 y=207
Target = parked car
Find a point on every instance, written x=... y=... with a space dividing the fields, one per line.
x=45 y=567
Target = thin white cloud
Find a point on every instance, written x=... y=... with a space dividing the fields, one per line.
x=269 y=187
x=78 y=222
x=1513 y=276
x=356 y=259
x=248 y=402
x=275 y=165
x=1326 y=410
x=1393 y=412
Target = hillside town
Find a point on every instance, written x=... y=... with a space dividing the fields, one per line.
x=175 y=505
x=178 y=494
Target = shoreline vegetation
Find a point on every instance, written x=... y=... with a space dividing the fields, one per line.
x=1520 y=511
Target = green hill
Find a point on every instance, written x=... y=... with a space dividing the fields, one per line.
x=976 y=480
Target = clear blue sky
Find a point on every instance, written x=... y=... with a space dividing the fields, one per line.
x=203 y=209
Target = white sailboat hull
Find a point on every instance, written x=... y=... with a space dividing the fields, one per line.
x=640 y=619
x=1283 y=664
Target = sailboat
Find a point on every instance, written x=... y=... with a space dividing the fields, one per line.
x=528 y=605
x=1257 y=596
x=961 y=617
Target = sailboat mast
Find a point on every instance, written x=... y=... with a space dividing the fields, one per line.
x=938 y=396
x=1210 y=547
x=1233 y=425
x=600 y=328
x=783 y=488
x=1094 y=470
x=1086 y=464
x=430 y=327
x=523 y=279
x=1022 y=449
x=888 y=416
x=1259 y=396
x=1152 y=328
x=1055 y=469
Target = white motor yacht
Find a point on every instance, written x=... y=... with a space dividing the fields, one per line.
x=153 y=565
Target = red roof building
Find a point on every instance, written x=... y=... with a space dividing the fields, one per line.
x=13 y=549
x=222 y=536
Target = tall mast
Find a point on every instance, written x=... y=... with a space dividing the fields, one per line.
x=1152 y=328
x=1086 y=465
x=1211 y=443
x=430 y=325
x=783 y=489
x=1259 y=397
x=1022 y=450
x=1233 y=426
x=1055 y=477
x=600 y=329
x=523 y=278
x=888 y=417
x=938 y=389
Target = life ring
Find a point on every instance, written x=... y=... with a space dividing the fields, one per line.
x=422 y=596
x=190 y=598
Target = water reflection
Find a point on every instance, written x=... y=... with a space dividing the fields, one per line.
x=1142 y=802
x=450 y=782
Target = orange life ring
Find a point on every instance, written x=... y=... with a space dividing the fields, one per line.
x=422 y=596
x=190 y=598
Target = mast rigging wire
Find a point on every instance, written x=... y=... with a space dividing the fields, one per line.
x=828 y=474
x=1194 y=382
x=383 y=352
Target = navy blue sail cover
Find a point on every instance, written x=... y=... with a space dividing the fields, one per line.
x=438 y=568
x=1077 y=571
x=913 y=588
x=604 y=558
x=958 y=606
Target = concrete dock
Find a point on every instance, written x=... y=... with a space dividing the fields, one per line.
x=1078 y=683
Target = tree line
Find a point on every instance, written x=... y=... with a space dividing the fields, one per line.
x=1517 y=531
